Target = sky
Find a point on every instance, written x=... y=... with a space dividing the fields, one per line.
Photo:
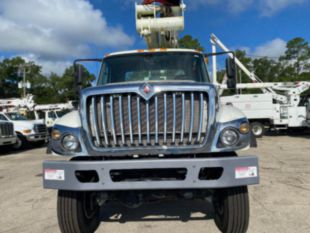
x=55 y=32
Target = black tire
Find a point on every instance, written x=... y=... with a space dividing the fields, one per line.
x=232 y=210
x=21 y=143
x=73 y=213
x=258 y=129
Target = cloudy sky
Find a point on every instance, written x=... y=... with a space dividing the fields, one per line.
x=54 y=32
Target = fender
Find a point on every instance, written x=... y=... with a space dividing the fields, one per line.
x=71 y=119
x=228 y=113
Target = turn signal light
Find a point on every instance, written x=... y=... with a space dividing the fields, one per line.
x=56 y=134
x=26 y=131
x=244 y=128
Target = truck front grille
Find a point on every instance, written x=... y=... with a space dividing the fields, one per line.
x=6 y=130
x=40 y=128
x=128 y=120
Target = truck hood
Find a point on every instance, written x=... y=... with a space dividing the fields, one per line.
x=26 y=124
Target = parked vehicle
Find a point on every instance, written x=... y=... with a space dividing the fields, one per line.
x=27 y=131
x=51 y=112
x=7 y=134
x=152 y=128
x=278 y=106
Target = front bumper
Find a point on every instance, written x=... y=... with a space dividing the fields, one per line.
x=7 y=141
x=37 y=137
x=61 y=174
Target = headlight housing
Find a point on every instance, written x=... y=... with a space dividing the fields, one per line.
x=229 y=137
x=70 y=142
x=27 y=131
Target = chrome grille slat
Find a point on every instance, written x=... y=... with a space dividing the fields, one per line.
x=172 y=119
x=191 y=119
x=120 y=109
x=112 y=120
x=201 y=111
x=165 y=118
x=139 y=120
x=129 y=119
x=103 y=119
x=183 y=118
x=95 y=119
x=148 y=122
x=156 y=119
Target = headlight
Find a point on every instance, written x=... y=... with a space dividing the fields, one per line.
x=70 y=142
x=229 y=137
x=27 y=131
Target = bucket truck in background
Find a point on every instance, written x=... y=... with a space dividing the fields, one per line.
x=34 y=128
x=52 y=112
x=278 y=106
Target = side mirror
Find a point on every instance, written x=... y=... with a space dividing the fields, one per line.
x=78 y=73
x=231 y=73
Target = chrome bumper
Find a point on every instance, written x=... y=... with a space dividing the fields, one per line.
x=37 y=137
x=7 y=141
x=61 y=174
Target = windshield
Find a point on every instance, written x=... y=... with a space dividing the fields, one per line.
x=62 y=113
x=14 y=116
x=163 y=66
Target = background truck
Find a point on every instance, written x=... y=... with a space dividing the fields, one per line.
x=152 y=129
x=7 y=133
x=27 y=131
x=49 y=113
x=276 y=106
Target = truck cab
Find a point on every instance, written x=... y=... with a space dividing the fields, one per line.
x=151 y=128
x=27 y=131
x=50 y=116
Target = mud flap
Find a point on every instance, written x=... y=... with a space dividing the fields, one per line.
x=253 y=142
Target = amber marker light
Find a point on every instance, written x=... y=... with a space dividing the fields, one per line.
x=244 y=128
x=55 y=134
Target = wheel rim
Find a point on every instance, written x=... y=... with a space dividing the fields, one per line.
x=257 y=130
x=18 y=144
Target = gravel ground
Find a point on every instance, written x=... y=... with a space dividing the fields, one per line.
x=281 y=203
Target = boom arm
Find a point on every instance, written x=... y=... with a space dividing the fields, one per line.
x=265 y=88
x=160 y=23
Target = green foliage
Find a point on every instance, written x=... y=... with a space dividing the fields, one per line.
x=52 y=89
x=188 y=42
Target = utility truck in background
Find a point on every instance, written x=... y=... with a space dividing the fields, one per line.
x=52 y=112
x=278 y=106
x=27 y=131
x=48 y=113
x=152 y=129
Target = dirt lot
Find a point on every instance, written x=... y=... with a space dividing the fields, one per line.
x=281 y=203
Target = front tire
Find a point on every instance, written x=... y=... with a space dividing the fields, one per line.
x=232 y=210
x=20 y=143
x=258 y=129
x=77 y=212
